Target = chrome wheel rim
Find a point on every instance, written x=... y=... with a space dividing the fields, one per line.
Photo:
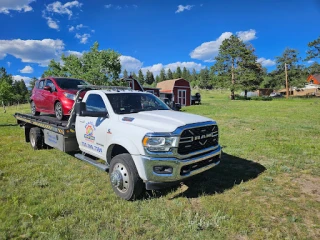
x=33 y=108
x=120 y=178
x=58 y=110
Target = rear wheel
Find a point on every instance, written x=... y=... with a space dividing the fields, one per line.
x=36 y=138
x=58 y=110
x=33 y=109
x=124 y=177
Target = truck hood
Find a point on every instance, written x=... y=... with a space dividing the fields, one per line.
x=161 y=120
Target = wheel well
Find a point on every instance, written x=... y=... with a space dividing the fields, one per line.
x=115 y=150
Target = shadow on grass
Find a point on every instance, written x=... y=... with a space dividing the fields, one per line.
x=8 y=125
x=230 y=172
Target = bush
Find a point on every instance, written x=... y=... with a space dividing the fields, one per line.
x=238 y=97
x=265 y=98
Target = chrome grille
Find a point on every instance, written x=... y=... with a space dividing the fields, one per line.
x=195 y=139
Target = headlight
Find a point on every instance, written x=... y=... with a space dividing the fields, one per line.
x=69 y=96
x=159 y=144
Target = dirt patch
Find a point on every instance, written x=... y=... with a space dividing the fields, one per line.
x=310 y=185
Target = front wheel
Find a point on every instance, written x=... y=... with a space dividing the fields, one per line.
x=58 y=111
x=124 y=177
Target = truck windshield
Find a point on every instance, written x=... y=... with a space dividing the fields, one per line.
x=69 y=83
x=124 y=103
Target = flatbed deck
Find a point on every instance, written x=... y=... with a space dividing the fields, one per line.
x=45 y=121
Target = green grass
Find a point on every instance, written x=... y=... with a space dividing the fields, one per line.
x=266 y=187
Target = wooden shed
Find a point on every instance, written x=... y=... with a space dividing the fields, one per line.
x=155 y=91
x=314 y=79
x=177 y=90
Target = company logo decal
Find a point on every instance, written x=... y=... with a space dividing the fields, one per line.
x=90 y=128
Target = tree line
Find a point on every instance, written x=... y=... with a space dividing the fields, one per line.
x=12 y=91
x=236 y=67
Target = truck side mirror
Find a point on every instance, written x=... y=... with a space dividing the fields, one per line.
x=80 y=108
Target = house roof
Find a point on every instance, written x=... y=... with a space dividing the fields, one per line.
x=316 y=76
x=168 y=84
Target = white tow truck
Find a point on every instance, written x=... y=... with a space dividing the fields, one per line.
x=142 y=142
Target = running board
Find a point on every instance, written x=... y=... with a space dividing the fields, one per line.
x=92 y=162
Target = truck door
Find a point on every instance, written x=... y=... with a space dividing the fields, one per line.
x=92 y=132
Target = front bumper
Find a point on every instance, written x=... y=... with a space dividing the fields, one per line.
x=181 y=168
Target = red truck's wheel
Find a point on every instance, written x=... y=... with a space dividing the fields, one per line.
x=124 y=177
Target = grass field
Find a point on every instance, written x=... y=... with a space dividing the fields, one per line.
x=266 y=187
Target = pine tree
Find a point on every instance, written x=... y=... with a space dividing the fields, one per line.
x=178 y=73
x=314 y=49
x=149 y=78
x=140 y=77
x=169 y=74
x=158 y=79
x=134 y=75
x=186 y=74
x=125 y=74
x=162 y=76
x=236 y=62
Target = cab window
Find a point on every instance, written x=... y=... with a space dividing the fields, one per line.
x=95 y=103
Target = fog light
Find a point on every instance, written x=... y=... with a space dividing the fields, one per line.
x=162 y=169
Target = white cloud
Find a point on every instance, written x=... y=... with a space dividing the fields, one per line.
x=129 y=63
x=68 y=53
x=310 y=61
x=80 y=26
x=266 y=62
x=246 y=36
x=181 y=8
x=71 y=29
x=9 y=64
x=156 y=68
x=51 y=23
x=208 y=50
x=118 y=7
x=26 y=69
x=15 y=5
x=108 y=6
x=32 y=51
x=83 y=38
x=135 y=6
x=132 y=64
x=58 y=7
x=24 y=78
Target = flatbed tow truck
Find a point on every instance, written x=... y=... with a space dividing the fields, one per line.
x=143 y=143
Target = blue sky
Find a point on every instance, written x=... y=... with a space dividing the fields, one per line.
x=150 y=34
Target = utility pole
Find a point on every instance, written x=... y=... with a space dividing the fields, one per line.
x=287 y=88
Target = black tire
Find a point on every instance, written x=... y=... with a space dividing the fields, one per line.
x=58 y=111
x=33 y=109
x=36 y=138
x=123 y=164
